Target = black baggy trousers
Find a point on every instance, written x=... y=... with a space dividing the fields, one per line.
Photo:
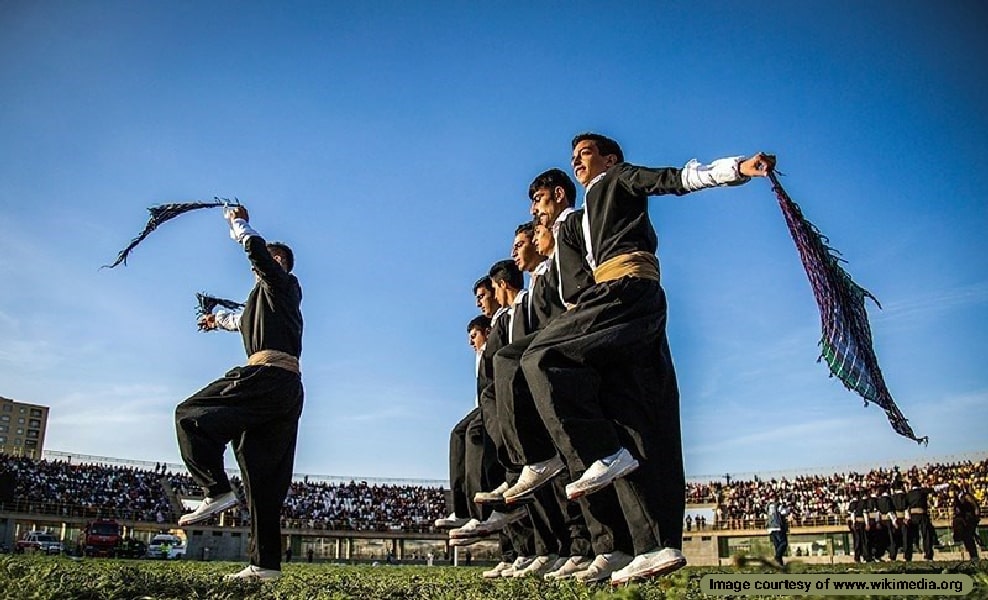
x=593 y=525
x=602 y=378
x=256 y=408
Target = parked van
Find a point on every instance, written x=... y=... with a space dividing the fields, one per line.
x=166 y=546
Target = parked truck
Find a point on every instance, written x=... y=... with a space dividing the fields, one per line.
x=102 y=537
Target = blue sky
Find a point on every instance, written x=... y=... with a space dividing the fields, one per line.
x=391 y=144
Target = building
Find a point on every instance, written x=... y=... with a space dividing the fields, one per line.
x=22 y=428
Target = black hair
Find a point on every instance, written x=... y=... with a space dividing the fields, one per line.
x=283 y=249
x=480 y=322
x=552 y=179
x=508 y=271
x=483 y=282
x=605 y=145
x=528 y=228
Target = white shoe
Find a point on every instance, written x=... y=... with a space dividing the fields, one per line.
x=494 y=523
x=495 y=495
x=533 y=477
x=520 y=563
x=451 y=521
x=650 y=564
x=464 y=541
x=602 y=567
x=538 y=566
x=570 y=567
x=550 y=573
x=255 y=572
x=209 y=507
x=601 y=473
x=496 y=571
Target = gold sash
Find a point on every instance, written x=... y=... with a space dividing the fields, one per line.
x=274 y=358
x=634 y=264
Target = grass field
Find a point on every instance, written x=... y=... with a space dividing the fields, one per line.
x=42 y=578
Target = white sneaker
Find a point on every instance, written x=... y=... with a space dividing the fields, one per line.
x=570 y=567
x=533 y=477
x=464 y=541
x=254 y=572
x=650 y=564
x=451 y=521
x=209 y=507
x=496 y=571
x=494 y=523
x=495 y=495
x=602 y=567
x=550 y=573
x=601 y=473
x=520 y=563
x=538 y=566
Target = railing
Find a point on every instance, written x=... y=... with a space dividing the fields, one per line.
x=66 y=509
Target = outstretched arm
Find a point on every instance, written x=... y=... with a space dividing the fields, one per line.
x=695 y=176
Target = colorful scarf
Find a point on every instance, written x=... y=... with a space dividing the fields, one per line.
x=846 y=343
x=166 y=212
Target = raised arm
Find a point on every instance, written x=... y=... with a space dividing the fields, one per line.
x=264 y=265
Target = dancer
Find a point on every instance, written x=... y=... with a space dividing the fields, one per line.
x=602 y=374
x=256 y=407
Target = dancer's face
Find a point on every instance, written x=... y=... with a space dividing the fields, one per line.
x=547 y=203
x=486 y=301
x=543 y=240
x=477 y=338
x=524 y=254
x=589 y=163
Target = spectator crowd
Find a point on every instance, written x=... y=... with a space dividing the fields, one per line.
x=127 y=492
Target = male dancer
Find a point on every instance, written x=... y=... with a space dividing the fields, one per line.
x=601 y=373
x=466 y=445
x=564 y=280
x=256 y=407
x=513 y=528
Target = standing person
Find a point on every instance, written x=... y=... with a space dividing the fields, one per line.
x=918 y=520
x=856 y=523
x=777 y=523
x=967 y=514
x=897 y=534
x=256 y=407
x=601 y=373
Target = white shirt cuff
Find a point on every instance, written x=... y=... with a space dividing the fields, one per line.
x=240 y=230
x=724 y=171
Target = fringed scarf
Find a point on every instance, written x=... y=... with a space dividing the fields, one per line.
x=207 y=304
x=162 y=213
x=846 y=343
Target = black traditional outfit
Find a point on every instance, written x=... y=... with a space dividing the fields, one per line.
x=256 y=407
x=601 y=373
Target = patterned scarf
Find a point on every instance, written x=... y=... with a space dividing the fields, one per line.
x=846 y=342
x=162 y=213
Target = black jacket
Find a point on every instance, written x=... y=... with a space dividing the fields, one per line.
x=272 y=316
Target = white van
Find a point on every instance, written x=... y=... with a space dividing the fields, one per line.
x=166 y=546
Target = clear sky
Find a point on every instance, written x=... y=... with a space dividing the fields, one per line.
x=392 y=144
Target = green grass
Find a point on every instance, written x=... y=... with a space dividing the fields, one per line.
x=44 y=578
